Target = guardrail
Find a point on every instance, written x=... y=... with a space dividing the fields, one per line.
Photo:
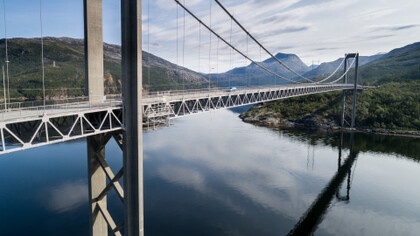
x=39 y=103
x=30 y=111
x=36 y=108
x=238 y=89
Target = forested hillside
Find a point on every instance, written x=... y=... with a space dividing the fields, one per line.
x=393 y=104
x=64 y=69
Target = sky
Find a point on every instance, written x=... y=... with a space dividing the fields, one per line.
x=315 y=30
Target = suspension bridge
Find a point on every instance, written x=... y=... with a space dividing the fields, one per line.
x=99 y=117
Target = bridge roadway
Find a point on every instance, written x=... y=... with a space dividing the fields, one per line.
x=23 y=126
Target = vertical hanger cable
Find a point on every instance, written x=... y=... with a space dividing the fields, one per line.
x=42 y=54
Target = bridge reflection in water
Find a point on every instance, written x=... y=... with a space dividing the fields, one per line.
x=310 y=220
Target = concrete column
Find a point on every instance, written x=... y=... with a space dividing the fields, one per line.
x=132 y=92
x=356 y=75
x=94 y=58
x=97 y=183
x=343 y=96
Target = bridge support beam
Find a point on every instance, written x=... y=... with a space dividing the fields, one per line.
x=343 y=96
x=94 y=59
x=356 y=72
x=132 y=107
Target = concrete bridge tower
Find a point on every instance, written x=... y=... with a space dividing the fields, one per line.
x=130 y=140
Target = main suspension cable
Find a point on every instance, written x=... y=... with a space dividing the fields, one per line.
x=345 y=73
x=331 y=75
x=256 y=41
x=230 y=45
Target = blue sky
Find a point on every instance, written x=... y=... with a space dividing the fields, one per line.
x=313 y=29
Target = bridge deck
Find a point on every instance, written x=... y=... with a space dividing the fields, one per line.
x=174 y=104
x=23 y=127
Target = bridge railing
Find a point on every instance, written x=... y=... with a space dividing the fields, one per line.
x=206 y=90
x=38 y=103
x=227 y=89
x=29 y=109
x=35 y=108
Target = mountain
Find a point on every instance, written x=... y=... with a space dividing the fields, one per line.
x=254 y=75
x=64 y=69
x=398 y=64
x=329 y=67
x=395 y=65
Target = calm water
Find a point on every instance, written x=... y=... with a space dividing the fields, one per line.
x=212 y=174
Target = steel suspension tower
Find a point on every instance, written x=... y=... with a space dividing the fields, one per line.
x=345 y=113
x=130 y=140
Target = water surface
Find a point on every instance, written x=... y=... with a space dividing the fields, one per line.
x=212 y=174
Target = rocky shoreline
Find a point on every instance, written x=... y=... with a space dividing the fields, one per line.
x=312 y=123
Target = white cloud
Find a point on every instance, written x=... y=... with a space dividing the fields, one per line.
x=67 y=197
x=300 y=26
x=277 y=175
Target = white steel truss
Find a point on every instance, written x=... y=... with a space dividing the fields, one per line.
x=172 y=105
x=60 y=124
x=25 y=133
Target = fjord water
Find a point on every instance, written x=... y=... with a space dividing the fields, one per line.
x=212 y=174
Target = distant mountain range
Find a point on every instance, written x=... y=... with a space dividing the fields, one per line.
x=254 y=75
x=329 y=67
x=372 y=68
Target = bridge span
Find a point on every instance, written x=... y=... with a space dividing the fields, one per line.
x=25 y=125
x=162 y=106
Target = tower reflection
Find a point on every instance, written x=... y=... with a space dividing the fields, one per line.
x=309 y=221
